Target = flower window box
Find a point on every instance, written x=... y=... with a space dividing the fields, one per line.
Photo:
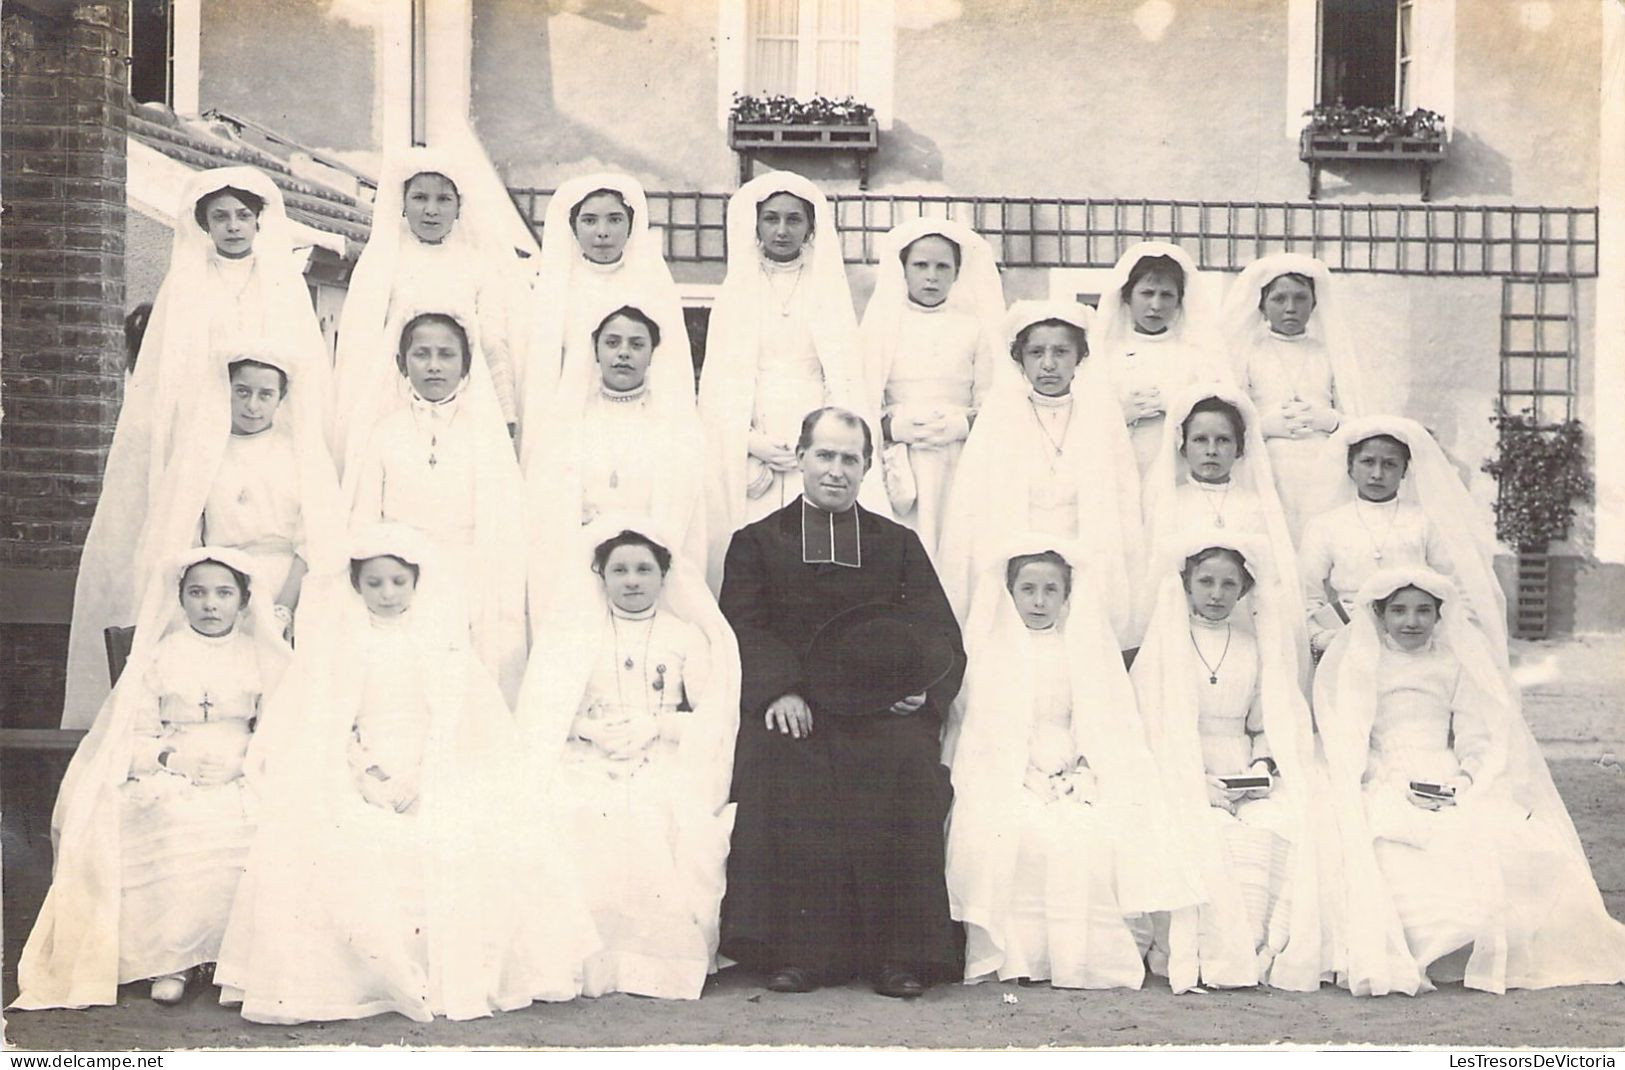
x=783 y=124
x=1339 y=133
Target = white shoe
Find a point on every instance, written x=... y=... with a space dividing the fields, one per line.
x=169 y=990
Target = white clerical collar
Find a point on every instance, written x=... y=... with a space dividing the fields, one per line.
x=915 y=306
x=1046 y=401
x=625 y=614
x=621 y=397
x=830 y=538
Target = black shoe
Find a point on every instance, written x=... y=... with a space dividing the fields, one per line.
x=899 y=982
x=791 y=979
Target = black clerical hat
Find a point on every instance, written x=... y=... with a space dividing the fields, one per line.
x=866 y=658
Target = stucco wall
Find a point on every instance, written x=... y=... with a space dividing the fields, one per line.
x=292 y=65
x=146 y=257
x=1034 y=97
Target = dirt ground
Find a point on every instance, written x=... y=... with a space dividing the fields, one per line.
x=1574 y=703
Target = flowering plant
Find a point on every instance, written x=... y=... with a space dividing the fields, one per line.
x=819 y=111
x=1542 y=473
x=1389 y=124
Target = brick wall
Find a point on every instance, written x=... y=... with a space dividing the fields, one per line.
x=62 y=140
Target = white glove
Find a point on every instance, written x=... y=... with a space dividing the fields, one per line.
x=944 y=429
x=776 y=455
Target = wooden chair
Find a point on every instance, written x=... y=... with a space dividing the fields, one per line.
x=119 y=641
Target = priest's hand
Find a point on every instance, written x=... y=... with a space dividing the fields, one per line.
x=790 y=715
x=905 y=706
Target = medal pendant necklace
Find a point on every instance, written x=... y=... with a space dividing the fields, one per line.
x=1213 y=668
x=1056 y=449
x=784 y=303
x=1208 y=495
x=1377 y=544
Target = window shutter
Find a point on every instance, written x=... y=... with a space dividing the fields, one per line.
x=731 y=47
x=1434 y=64
x=877 y=58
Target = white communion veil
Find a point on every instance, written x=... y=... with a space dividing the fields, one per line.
x=567 y=649
x=1197 y=325
x=192 y=318
x=1574 y=941
x=72 y=955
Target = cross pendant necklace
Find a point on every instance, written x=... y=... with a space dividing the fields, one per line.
x=1213 y=669
x=206 y=704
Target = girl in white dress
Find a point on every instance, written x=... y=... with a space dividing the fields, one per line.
x=598 y=253
x=260 y=481
x=404 y=863
x=153 y=823
x=1218 y=689
x=1058 y=843
x=444 y=466
x=931 y=351
x=1213 y=471
x=1049 y=453
x=1295 y=360
x=632 y=700
x=1460 y=860
x=436 y=240
x=1157 y=334
x=783 y=341
x=622 y=437
x=233 y=282
x=1394 y=500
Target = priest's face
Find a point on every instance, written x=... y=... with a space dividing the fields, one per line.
x=930 y=268
x=624 y=349
x=1214 y=586
x=1040 y=594
x=832 y=465
x=783 y=226
x=1049 y=359
x=1154 y=303
x=431 y=207
x=632 y=578
x=602 y=226
x=232 y=226
x=1409 y=616
x=386 y=586
x=211 y=598
x=256 y=394
x=434 y=361
x=1210 y=446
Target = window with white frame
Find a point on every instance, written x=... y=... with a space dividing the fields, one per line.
x=808 y=48
x=152 y=51
x=1377 y=53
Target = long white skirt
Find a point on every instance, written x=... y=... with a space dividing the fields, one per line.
x=183 y=849
x=624 y=836
x=1063 y=923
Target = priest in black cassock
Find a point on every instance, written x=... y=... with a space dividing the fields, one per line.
x=836 y=867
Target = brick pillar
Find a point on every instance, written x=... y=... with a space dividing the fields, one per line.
x=62 y=140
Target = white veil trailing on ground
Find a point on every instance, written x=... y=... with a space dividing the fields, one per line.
x=566 y=282
x=733 y=347
x=1165 y=678
x=192 y=318
x=987 y=747
x=1575 y=941
x=567 y=649
x=1245 y=326
x=72 y=956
